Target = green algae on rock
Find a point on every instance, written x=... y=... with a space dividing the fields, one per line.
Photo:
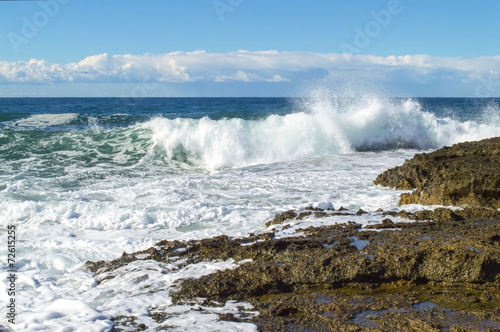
x=465 y=174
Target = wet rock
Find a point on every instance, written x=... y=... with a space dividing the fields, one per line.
x=444 y=215
x=321 y=214
x=450 y=256
x=282 y=217
x=311 y=208
x=386 y=223
x=428 y=276
x=431 y=274
x=465 y=174
x=360 y=212
x=127 y=323
x=423 y=253
x=303 y=215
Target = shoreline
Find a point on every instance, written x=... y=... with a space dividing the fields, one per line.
x=442 y=270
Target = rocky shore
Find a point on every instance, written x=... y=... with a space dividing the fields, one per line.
x=428 y=270
x=466 y=174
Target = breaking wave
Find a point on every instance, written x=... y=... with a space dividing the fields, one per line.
x=321 y=127
x=318 y=127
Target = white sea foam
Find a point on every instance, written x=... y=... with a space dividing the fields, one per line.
x=132 y=290
x=43 y=120
x=60 y=229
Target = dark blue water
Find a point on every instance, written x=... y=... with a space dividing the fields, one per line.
x=127 y=111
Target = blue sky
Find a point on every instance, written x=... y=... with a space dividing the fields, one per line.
x=247 y=47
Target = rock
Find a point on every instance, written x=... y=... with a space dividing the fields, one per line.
x=432 y=272
x=281 y=217
x=360 y=212
x=439 y=214
x=321 y=214
x=443 y=272
x=445 y=215
x=386 y=223
x=310 y=208
x=466 y=174
x=452 y=252
x=303 y=215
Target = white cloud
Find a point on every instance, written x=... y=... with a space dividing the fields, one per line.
x=246 y=66
x=278 y=78
x=238 y=76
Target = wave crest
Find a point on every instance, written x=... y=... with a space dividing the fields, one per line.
x=320 y=127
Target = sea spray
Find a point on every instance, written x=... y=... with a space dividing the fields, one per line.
x=318 y=128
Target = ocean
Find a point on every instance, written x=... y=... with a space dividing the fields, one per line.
x=90 y=178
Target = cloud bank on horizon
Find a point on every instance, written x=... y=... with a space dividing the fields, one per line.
x=477 y=76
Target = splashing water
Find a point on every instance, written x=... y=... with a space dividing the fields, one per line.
x=322 y=127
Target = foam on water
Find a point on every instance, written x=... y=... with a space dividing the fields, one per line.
x=131 y=290
x=60 y=230
x=43 y=120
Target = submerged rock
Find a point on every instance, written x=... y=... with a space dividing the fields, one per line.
x=466 y=174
